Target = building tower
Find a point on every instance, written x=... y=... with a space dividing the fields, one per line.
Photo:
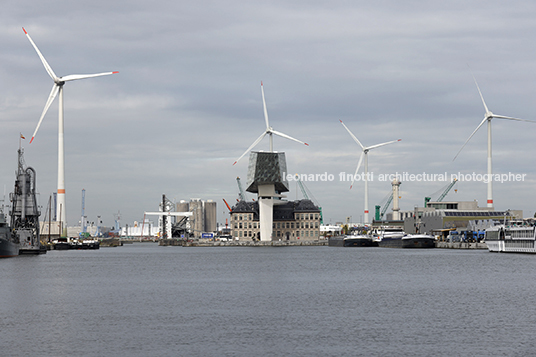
x=266 y=177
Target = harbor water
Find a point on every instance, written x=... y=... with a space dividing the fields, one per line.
x=148 y=300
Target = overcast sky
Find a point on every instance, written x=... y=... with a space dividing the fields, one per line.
x=187 y=100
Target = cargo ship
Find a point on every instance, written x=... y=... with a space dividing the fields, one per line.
x=394 y=237
x=359 y=240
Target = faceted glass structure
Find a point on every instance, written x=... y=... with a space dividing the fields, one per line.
x=267 y=168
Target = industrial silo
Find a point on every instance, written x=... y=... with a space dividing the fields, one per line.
x=183 y=206
x=198 y=218
x=211 y=224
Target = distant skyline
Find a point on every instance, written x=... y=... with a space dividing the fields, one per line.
x=186 y=102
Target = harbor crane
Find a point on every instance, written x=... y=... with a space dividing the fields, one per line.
x=241 y=192
x=166 y=228
x=306 y=196
x=228 y=207
x=443 y=195
x=379 y=214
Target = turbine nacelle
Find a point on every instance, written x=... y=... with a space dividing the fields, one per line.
x=365 y=151
x=364 y=155
x=57 y=88
x=59 y=82
x=269 y=131
x=487 y=117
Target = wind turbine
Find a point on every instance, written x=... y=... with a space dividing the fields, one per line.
x=269 y=131
x=364 y=154
x=488 y=115
x=57 y=88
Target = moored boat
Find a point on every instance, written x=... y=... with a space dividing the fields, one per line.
x=511 y=239
x=397 y=238
x=418 y=241
x=90 y=244
x=9 y=247
x=359 y=240
x=61 y=243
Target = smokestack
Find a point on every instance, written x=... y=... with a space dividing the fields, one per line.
x=396 y=209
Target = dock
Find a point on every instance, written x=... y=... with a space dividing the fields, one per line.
x=461 y=245
x=211 y=243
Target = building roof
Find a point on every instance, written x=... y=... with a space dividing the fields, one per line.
x=283 y=210
x=458 y=213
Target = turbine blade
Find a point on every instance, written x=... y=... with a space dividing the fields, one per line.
x=251 y=147
x=383 y=144
x=478 y=127
x=53 y=93
x=265 y=110
x=357 y=169
x=73 y=77
x=43 y=60
x=511 y=118
x=352 y=135
x=481 y=97
x=287 y=137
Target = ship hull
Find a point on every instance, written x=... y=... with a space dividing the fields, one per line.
x=359 y=242
x=351 y=241
x=512 y=246
x=503 y=239
x=408 y=242
x=8 y=249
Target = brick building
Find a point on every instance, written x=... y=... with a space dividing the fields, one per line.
x=293 y=220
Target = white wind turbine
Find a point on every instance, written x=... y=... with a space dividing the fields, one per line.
x=57 y=88
x=487 y=118
x=268 y=131
x=364 y=154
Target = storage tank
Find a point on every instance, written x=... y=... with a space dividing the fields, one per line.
x=198 y=218
x=183 y=206
x=211 y=224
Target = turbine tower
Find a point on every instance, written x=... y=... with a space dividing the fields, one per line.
x=488 y=115
x=364 y=154
x=269 y=131
x=266 y=176
x=57 y=88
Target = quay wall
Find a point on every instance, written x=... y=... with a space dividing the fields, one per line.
x=210 y=243
x=461 y=245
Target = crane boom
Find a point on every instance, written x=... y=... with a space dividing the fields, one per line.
x=241 y=192
x=229 y=207
x=443 y=195
x=306 y=196
x=384 y=209
x=304 y=193
x=447 y=190
x=379 y=215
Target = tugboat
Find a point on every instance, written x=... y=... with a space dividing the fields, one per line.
x=24 y=210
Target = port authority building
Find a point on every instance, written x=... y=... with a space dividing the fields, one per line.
x=292 y=220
